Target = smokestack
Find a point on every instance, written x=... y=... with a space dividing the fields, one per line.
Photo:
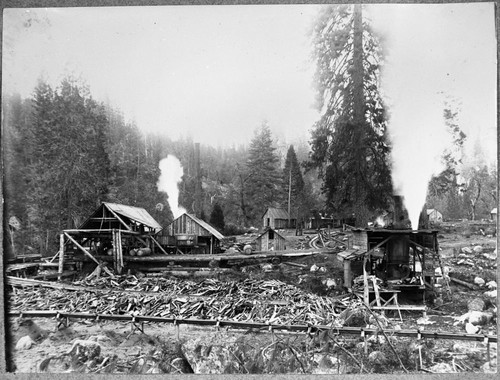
x=399 y=213
x=197 y=173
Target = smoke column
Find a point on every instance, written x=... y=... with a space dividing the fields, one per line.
x=414 y=82
x=170 y=177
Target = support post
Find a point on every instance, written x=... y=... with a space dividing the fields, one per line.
x=61 y=256
x=115 y=251
x=347 y=274
x=119 y=251
x=366 y=290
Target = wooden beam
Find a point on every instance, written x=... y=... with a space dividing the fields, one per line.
x=119 y=251
x=61 y=256
x=102 y=231
x=81 y=248
x=120 y=219
x=159 y=246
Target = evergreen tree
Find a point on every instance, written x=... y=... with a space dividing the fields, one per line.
x=68 y=173
x=349 y=142
x=264 y=186
x=217 y=217
x=293 y=184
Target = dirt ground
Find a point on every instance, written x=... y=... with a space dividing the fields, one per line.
x=163 y=348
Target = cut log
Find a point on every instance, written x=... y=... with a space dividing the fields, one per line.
x=464 y=283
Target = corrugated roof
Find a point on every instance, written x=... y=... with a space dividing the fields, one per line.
x=135 y=213
x=276 y=213
x=206 y=226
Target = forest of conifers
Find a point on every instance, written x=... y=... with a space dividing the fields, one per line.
x=65 y=153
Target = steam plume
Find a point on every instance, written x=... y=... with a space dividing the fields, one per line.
x=171 y=175
x=415 y=76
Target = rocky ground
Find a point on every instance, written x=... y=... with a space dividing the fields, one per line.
x=38 y=345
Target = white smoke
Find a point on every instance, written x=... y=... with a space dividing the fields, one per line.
x=170 y=177
x=416 y=78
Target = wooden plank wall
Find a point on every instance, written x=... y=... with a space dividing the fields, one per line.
x=263 y=243
x=185 y=225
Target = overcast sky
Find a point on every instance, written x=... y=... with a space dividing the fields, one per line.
x=216 y=72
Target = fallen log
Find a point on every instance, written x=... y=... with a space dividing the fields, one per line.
x=295 y=264
x=464 y=283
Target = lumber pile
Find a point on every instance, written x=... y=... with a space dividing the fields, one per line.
x=268 y=301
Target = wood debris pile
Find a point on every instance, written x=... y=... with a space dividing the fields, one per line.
x=270 y=301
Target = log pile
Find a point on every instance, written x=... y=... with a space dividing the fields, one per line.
x=268 y=301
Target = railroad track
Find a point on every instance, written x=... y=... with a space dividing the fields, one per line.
x=269 y=327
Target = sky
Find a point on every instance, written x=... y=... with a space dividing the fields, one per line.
x=216 y=73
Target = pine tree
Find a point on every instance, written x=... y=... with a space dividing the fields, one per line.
x=264 y=185
x=293 y=183
x=349 y=142
x=217 y=217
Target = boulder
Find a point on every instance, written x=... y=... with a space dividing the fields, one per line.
x=478 y=249
x=25 y=343
x=479 y=281
x=479 y=318
x=314 y=268
x=477 y=304
x=85 y=350
x=491 y=285
x=442 y=368
x=467 y=250
x=471 y=329
x=377 y=358
x=330 y=283
x=491 y=294
x=489 y=367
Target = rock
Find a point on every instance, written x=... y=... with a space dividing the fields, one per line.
x=490 y=367
x=85 y=349
x=314 y=268
x=25 y=343
x=478 y=249
x=479 y=281
x=267 y=267
x=471 y=329
x=467 y=250
x=330 y=283
x=322 y=269
x=325 y=361
x=477 y=304
x=29 y=327
x=377 y=357
x=375 y=338
x=442 y=368
x=490 y=256
x=479 y=317
x=491 y=294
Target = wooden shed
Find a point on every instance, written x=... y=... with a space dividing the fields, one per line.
x=270 y=240
x=277 y=218
x=434 y=216
x=189 y=234
x=109 y=233
x=493 y=214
